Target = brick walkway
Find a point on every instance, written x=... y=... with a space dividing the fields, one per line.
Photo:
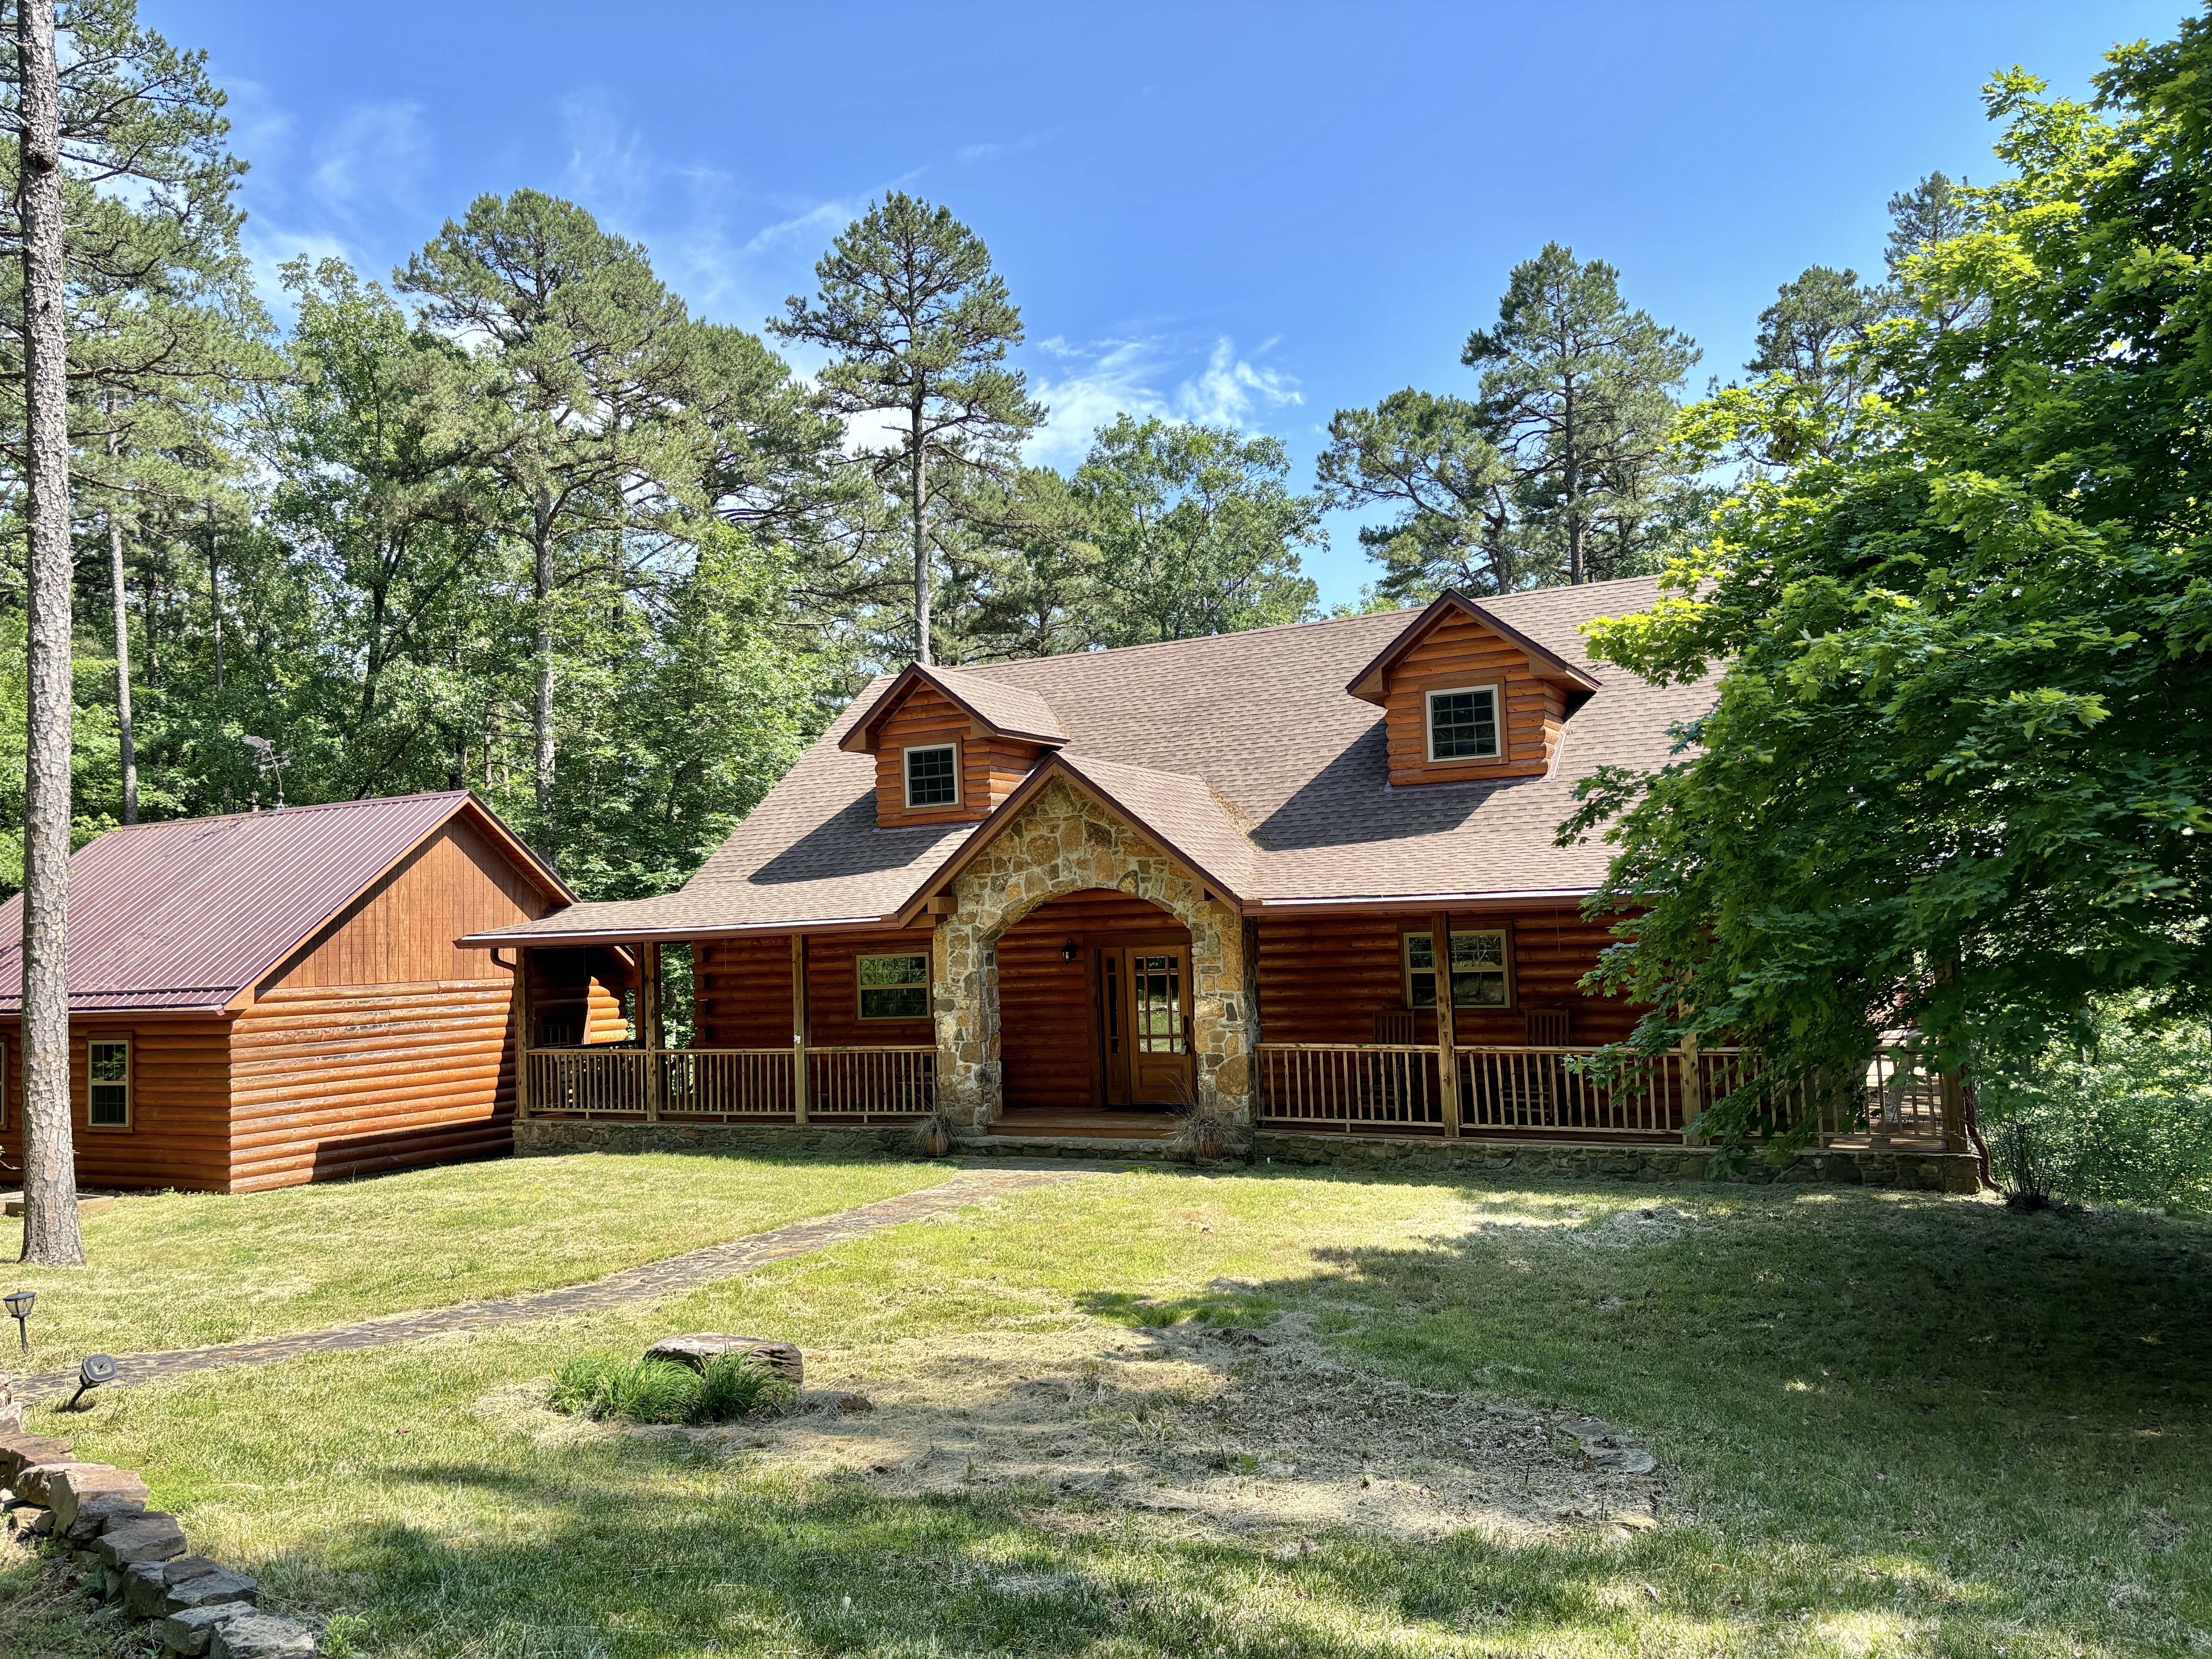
x=652 y=1282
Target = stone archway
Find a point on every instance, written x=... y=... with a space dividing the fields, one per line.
x=1062 y=843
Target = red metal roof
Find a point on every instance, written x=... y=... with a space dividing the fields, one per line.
x=187 y=914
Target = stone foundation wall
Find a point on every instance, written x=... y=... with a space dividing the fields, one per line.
x=1927 y=1172
x=543 y=1137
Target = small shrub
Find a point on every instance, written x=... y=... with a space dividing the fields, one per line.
x=603 y=1385
x=739 y=1385
x=2022 y=1168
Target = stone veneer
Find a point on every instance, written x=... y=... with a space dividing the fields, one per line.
x=1064 y=843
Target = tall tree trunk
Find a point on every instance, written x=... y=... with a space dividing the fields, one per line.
x=215 y=600
x=126 y=736
x=921 y=545
x=542 y=710
x=51 y=1236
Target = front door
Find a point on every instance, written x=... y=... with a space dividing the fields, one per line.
x=1144 y=993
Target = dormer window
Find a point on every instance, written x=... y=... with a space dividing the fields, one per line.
x=933 y=776
x=1463 y=724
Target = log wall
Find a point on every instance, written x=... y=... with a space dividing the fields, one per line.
x=1457 y=651
x=990 y=767
x=1323 y=979
x=345 y=1081
x=180 y=1107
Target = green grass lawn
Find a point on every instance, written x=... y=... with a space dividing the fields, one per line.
x=1891 y=1424
x=181 y=1270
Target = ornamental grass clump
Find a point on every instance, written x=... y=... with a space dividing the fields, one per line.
x=601 y=1386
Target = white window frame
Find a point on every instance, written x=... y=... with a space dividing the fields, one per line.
x=1442 y=972
x=129 y=1048
x=905 y=774
x=1428 y=722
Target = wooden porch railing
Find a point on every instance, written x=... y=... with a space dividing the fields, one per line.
x=1540 y=1091
x=729 y=1085
x=1317 y=1085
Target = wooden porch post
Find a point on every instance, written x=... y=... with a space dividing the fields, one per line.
x=1694 y=1087
x=798 y=1025
x=1447 y=1024
x=650 y=1031
x=524 y=1019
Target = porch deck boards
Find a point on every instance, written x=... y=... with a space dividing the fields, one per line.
x=1090 y=1123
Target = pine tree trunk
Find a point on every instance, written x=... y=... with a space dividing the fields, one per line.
x=921 y=549
x=542 y=709
x=51 y=1236
x=126 y=736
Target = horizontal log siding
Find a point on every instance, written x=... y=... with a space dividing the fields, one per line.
x=1324 y=979
x=1045 y=1034
x=832 y=990
x=179 y=1133
x=1458 y=651
x=332 y=1081
x=990 y=767
x=743 y=992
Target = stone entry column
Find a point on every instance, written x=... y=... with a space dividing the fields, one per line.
x=1066 y=842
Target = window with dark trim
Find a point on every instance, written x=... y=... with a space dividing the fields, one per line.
x=107 y=1083
x=1463 y=724
x=933 y=776
x=1480 y=975
x=894 y=987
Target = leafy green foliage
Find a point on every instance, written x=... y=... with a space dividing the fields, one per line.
x=732 y=1387
x=2125 y=1120
x=1956 y=775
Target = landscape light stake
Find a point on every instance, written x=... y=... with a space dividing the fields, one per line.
x=19 y=1304
x=97 y=1369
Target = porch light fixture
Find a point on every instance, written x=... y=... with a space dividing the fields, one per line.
x=19 y=1304
x=1069 y=951
x=97 y=1369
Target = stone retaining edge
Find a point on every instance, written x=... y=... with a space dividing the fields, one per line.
x=1918 y=1171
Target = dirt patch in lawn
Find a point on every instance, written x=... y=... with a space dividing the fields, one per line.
x=1213 y=1429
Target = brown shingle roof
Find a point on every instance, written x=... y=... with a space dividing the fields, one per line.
x=187 y=914
x=1262 y=720
x=1011 y=711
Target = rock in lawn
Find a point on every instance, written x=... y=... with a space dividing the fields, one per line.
x=258 y=1636
x=30 y=1521
x=189 y=1632
x=98 y=1512
x=206 y=1589
x=94 y=1490
x=696 y=1350
x=154 y=1537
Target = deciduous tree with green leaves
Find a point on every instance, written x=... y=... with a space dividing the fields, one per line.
x=1957 y=776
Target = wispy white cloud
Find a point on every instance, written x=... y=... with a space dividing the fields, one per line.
x=974 y=152
x=1152 y=376
x=374 y=155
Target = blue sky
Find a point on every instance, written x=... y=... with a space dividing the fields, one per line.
x=1256 y=214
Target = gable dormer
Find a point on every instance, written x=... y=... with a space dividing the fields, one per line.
x=1466 y=695
x=949 y=746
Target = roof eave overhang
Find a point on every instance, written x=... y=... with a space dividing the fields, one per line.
x=860 y=738
x=1525 y=898
x=1371 y=684
x=605 y=937
x=1054 y=765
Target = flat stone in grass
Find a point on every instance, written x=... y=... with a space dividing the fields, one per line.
x=192 y=1631
x=95 y=1493
x=146 y=1584
x=18 y=1451
x=36 y=1482
x=694 y=1350
x=258 y=1636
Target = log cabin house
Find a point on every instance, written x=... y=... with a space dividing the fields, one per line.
x=271 y=998
x=1306 y=874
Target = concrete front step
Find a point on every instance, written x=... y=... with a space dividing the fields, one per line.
x=1152 y=1149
